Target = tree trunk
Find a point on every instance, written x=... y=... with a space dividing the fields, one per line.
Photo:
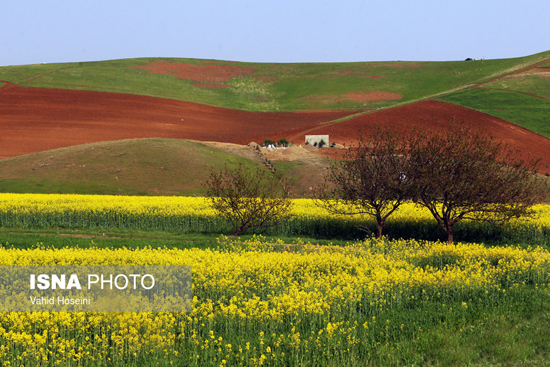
x=449 y=235
x=379 y=230
x=237 y=232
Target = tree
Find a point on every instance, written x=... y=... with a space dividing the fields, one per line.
x=372 y=179
x=248 y=198
x=466 y=174
x=284 y=142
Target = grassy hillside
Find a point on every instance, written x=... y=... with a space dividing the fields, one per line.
x=524 y=110
x=271 y=87
x=521 y=98
x=140 y=167
x=128 y=167
x=535 y=81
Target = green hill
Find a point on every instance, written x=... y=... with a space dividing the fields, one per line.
x=522 y=98
x=528 y=111
x=139 y=167
x=272 y=87
x=126 y=167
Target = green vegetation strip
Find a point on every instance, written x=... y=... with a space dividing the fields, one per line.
x=402 y=225
x=523 y=110
x=531 y=83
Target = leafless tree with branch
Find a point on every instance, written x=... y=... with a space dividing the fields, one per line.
x=373 y=178
x=466 y=174
x=249 y=198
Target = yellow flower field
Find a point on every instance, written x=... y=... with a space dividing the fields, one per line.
x=275 y=304
x=259 y=303
x=193 y=214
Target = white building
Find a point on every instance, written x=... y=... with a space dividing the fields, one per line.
x=315 y=140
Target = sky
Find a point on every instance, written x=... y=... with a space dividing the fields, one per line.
x=52 y=31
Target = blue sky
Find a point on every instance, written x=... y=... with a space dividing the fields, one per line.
x=36 y=31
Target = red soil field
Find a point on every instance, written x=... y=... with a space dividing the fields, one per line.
x=38 y=119
x=201 y=72
x=433 y=116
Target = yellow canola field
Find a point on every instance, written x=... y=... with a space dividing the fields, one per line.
x=60 y=203
x=259 y=304
x=178 y=205
x=256 y=303
x=153 y=212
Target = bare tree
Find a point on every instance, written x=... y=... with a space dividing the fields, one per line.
x=466 y=174
x=373 y=178
x=249 y=198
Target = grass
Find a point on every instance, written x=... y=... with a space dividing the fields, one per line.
x=304 y=176
x=28 y=238
x=497 y=337
x=106 y=238
x=523 y=99
x=139 y=167
x=274 y=87
x=536 y=84
x=523 y=110
x=127 y=167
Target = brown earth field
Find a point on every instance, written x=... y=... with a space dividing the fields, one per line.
x=209 y=73
x=432 y=116
x=38 y=119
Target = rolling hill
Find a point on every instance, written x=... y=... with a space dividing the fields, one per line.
x=271 y=87
x=51 y=106
x=145 y=167
x=128 y=167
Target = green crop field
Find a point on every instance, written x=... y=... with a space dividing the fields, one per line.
x=535 y=83
x=521 y=98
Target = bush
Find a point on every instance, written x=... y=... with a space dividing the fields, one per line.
x=248 y=198
x=284 y=142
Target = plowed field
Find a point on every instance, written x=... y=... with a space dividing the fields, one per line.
x=38 y=119
x=433 y=116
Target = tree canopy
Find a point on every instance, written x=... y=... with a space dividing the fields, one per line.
x=461 y=174
x=373 y=178
x=458 y=173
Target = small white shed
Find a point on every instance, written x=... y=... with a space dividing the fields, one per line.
x=316 y=140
